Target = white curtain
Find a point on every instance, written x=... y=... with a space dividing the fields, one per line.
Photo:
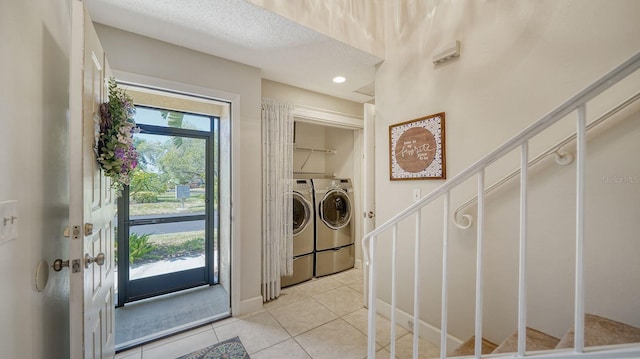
x=277 y=208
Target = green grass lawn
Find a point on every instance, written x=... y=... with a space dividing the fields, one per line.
x=175 y=238
x=167 y=203
x=170 y=245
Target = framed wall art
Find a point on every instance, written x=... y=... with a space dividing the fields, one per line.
x=416 y=149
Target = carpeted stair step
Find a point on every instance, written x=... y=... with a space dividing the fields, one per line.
x=468 y=347
x=536 y=340
x=602 y=331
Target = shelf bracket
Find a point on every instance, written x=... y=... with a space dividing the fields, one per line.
x=306 y=159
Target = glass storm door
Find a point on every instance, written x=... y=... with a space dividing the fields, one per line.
x=168 y=238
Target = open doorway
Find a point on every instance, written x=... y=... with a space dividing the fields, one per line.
x=173 y=245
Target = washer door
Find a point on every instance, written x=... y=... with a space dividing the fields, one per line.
x=335 y=209
x=301 y=213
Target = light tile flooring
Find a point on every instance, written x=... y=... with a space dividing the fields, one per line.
x=322 y=318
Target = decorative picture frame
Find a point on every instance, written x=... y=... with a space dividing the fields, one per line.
x=417 y=149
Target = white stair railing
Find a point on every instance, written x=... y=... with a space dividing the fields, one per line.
x=369 y=243
x=563 y=158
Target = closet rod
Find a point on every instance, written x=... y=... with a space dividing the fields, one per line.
x=330 y=151
x=332 y=174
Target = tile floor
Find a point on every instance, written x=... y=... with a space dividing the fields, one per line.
x=322 y=318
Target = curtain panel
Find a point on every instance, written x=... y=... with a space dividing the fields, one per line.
x=277 y=187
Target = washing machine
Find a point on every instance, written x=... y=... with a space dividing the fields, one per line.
x=335 y=249
x=303 y=233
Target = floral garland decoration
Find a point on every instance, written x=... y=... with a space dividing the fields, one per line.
x=114 y=147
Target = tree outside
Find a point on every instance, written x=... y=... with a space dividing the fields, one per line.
x=165 y=162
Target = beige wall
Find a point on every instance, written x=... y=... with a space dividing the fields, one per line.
x=357 y=23
x=34 y=99
x=519 y=59
x=140 y=55
x=342 y=140
x=309 y=136
x=298 y=96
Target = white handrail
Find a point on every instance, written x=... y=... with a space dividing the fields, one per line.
x=577 y=102
x=562 y=158
x=591 y=91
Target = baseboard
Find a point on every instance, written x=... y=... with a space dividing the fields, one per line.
x=426 y=330
x=248 y=306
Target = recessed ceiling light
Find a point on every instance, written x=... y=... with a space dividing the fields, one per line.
x=339 y=79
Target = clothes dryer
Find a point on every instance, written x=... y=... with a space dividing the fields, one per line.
x=303 y=233
x=335 y=250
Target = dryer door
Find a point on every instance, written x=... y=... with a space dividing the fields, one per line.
x=335 y=209
x=301 y=213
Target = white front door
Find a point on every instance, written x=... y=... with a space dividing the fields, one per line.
x=92 y=207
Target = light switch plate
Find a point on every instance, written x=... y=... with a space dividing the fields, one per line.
x=416 y=195
x=4 y=228
x=8 y=221
x=12 y=208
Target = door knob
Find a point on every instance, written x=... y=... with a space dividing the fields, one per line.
x=88 y=260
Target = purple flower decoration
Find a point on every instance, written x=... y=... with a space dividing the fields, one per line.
x=114 y=147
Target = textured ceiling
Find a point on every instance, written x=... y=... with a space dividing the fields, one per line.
x=237 y=30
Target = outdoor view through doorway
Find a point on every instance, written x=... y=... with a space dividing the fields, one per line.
x=169 y=237
x=168 y=212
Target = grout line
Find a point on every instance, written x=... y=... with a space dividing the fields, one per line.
x=280 y=324
x=303 y=348
x=216 y=325
x=272 y=345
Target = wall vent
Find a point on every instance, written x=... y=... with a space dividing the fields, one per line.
x=368 y=90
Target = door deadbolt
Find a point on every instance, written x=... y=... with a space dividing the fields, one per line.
x=58 y=264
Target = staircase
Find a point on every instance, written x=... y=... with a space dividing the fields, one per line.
x=599 y=332
x=590 y=337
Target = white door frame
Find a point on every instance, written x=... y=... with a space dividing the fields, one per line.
x=234 y=101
